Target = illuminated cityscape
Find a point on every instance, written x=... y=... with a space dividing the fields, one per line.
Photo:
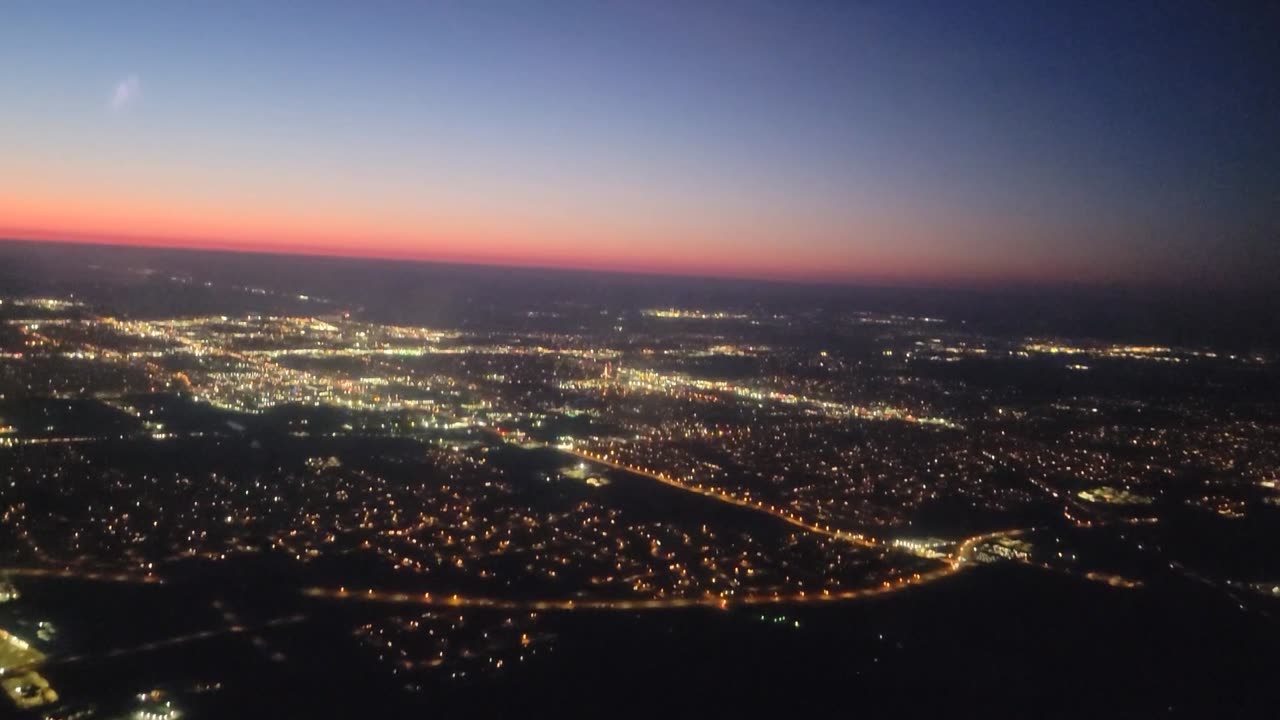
x=438 y=500
x=579 y=359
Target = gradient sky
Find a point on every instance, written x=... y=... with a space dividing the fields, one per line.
x=947 y=142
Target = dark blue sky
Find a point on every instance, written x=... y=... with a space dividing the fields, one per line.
x=930 y=141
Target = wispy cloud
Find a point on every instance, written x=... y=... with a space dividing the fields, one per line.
x=127 y=90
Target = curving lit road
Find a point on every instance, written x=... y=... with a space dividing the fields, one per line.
x=371 y=595
x=958 y=562
x=95 y=576
x=724 y=497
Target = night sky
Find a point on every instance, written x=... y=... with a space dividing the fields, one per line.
x=937 y=143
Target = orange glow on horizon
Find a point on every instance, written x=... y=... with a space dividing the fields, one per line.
x=817 y=273
x=902 y=255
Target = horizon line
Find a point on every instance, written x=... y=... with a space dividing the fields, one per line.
x=900 y=282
